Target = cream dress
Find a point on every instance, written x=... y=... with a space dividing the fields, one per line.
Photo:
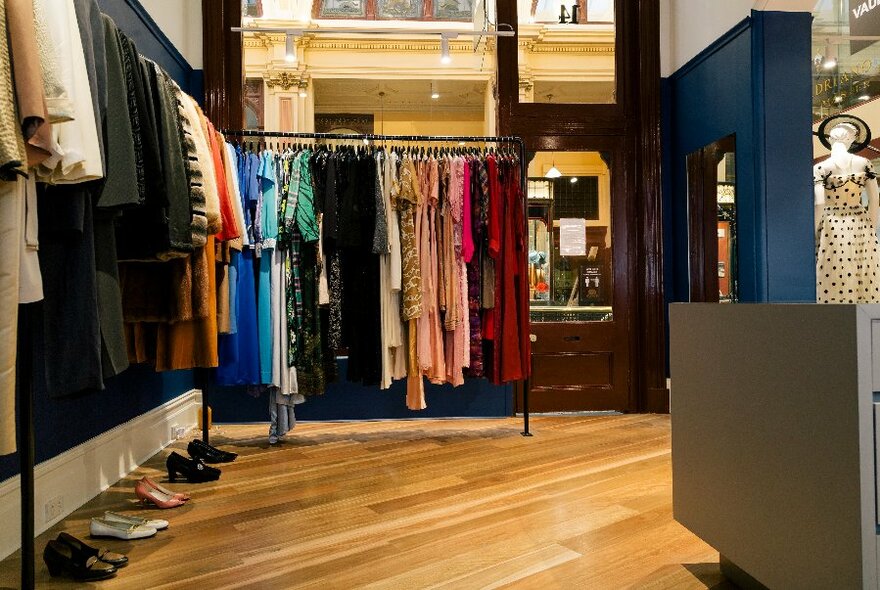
x=847 y=261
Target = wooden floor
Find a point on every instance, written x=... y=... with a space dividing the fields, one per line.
x=586 y=503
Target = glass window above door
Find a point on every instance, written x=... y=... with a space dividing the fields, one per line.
x=569 y=249
x=566 y=51
x=845 y=56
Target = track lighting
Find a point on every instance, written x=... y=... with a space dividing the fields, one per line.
x=290 y=49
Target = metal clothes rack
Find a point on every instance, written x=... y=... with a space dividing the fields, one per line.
x=516 y=141
x=25 y=441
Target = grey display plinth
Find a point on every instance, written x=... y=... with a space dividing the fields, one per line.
x=773 y=439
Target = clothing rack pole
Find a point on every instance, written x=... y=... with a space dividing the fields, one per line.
x=523 y=172
x=25 y=433
x=520 y=144
x=205 y=386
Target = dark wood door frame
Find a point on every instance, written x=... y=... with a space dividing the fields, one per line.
x=223 y=69
x=633 y=124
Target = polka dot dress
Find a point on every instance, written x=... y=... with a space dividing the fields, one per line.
x=847 y=261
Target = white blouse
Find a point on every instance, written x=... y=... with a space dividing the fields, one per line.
x=79 y=159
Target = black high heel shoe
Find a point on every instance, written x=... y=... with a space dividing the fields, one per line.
x=62 y=558
x=192 y=469
x=198 y=449
x=85 y=551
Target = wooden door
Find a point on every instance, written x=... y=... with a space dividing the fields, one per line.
x=581 y=338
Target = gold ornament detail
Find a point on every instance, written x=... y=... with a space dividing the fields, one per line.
x=283 y=80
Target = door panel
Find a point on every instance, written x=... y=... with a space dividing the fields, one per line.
x=573 y=369
x=580 y=316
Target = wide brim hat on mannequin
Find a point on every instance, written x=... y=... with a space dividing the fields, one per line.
x=863 y=132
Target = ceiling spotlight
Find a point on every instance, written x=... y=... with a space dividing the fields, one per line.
x=434 y=92
x=830 y=56
x=574 y=179
x=865 y=97
x=290 y=49
x=444 y=50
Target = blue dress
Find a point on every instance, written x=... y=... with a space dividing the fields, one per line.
x=240 y=352
x=269 y=233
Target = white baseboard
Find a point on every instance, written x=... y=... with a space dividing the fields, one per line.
x=78 y=475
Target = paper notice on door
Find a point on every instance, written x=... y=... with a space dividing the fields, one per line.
x=572 y=237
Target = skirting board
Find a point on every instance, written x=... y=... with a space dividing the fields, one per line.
x=78 y=475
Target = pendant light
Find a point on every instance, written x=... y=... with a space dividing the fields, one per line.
x=554 y=171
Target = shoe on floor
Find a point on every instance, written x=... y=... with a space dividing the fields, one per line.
x=155 y=523
x=100 y=527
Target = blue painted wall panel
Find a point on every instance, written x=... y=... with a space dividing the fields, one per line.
x=788 y=153
x=349 y=401
x=754 y=82
x=132 y=18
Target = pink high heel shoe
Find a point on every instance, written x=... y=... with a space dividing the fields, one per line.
x=179 y=495
x=149 y=495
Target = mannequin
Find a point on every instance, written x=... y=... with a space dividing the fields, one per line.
x=847 y=257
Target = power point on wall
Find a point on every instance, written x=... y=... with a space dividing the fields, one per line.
x=53 y=509
x=177 y=432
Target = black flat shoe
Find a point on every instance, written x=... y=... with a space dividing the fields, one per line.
x=193 y=470
x=85 y=551
x=61 y=558
x=199 y=449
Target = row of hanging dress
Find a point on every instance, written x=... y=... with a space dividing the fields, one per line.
x=104 y=204
x=411 y=262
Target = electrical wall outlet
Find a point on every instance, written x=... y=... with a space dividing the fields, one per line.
x=178 y=432
x=54 y=508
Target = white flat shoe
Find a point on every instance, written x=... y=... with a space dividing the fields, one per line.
x=155 y=523
x=100 y=527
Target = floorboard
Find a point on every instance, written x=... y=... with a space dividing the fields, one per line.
x=586 y=503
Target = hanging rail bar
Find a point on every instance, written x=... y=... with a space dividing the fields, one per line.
x=450 y=33
x=374 y=137
x=510 y=139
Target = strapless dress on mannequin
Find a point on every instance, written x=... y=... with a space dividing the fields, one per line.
x=847 y=260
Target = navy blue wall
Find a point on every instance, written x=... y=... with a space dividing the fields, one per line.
x=132 y=18
x=61 y=424
x=754 y=82
x=349 y=401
